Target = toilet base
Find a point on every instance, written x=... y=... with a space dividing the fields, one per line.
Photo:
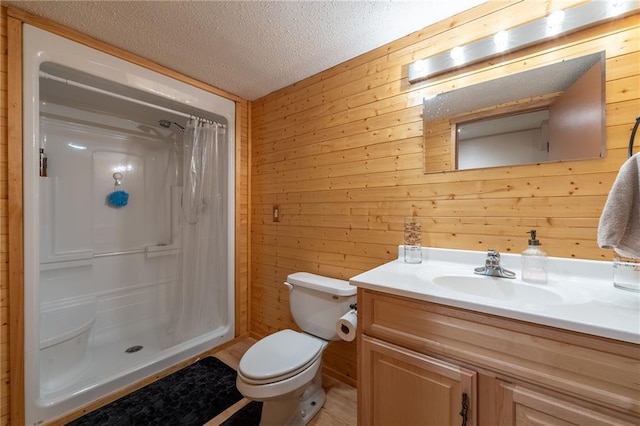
x=313 y=404
x=296 y=409
x=281 y=412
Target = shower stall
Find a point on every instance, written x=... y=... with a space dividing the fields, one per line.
x=129 y=242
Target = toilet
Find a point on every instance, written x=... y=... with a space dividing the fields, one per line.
x=284 y=369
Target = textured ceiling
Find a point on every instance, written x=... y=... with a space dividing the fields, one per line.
x=247 y=48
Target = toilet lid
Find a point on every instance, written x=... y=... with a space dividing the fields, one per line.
x=279 y=354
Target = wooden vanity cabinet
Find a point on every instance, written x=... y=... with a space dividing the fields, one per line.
x=403 y=387
x=417 y=361
x=539 y=408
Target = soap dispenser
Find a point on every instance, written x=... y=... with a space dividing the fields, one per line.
x=534 y=262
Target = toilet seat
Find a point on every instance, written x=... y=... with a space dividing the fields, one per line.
x=279 y=356
x=281 y=388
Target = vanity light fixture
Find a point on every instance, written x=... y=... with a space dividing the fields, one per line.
x=559 y=21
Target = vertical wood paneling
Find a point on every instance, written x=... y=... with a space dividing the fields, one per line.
x=242 y=219
x=4 y=249
x=341 y=152
x=11 y=189
x=15 y=219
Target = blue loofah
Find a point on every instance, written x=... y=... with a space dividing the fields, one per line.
x=118 y=199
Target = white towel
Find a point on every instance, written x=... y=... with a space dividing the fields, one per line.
x=619 y=226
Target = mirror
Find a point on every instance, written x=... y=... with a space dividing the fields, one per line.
x=551 y=113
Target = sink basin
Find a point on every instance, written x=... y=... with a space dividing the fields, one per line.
x=499 y=289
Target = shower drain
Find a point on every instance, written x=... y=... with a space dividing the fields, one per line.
x=133 y=349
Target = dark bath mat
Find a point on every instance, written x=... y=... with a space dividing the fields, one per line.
x=189 y=397
x=249 y=415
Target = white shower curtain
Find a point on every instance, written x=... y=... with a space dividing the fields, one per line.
x=200 y=292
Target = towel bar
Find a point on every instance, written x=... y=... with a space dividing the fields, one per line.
x=633 y=136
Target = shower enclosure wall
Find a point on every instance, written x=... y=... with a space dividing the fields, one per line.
x=128 y=223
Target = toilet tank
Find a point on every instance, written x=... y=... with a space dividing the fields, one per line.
x=317 y=302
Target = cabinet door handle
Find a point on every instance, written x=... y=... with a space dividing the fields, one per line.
x=465 y=409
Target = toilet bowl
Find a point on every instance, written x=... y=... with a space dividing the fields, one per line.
x=281 y=370
x=284 y=369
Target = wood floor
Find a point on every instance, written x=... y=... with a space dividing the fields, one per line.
x=338 y=410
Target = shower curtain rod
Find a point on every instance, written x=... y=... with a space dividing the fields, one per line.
x=126 y=98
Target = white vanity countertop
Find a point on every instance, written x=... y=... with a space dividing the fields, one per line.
x=579 y=296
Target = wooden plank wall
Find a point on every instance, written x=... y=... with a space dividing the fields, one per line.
x=242 y=190
x=4 y=248
x=242 y=293
x=341 y=154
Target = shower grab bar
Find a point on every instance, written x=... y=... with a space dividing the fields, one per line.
x=118 y=96
x=151 y=251
x=120 y=253
x=86 y=258
x=67 y=256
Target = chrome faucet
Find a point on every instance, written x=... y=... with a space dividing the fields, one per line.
x=492 y=266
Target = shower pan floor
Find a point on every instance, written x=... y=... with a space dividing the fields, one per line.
x=109 y=360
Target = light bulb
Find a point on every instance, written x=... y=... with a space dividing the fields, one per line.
x=554 y=22
x=501 y=40
x=457 y=54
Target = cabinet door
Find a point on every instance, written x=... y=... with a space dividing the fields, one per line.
x=402 y=387
x=533 y=408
